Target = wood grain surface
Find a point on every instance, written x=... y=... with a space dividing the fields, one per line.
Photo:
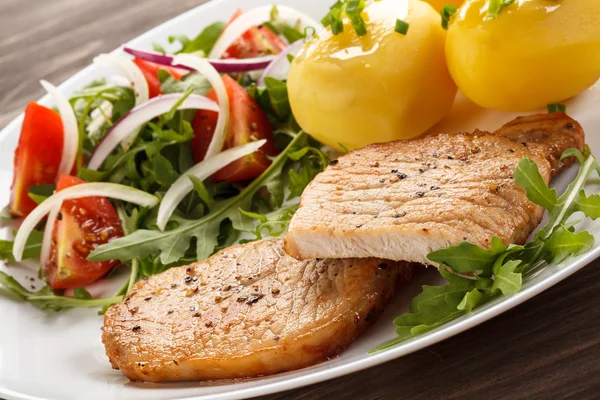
x=547 y=348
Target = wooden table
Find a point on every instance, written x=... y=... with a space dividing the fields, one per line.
x=548 y=348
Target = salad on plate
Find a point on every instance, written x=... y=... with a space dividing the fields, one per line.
x=262 y=190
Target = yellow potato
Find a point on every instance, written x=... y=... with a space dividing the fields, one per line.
x=439 y=4
x=536 y=52
x=348 y=91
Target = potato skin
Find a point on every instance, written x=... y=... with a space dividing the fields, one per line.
x=536 y=52
x=439 y=4
x=349 y=91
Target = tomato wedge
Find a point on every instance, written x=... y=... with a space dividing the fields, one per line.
x=247 y=123
x=150 y=71
x=81 y=226
x=256 y=41
x=37 y=157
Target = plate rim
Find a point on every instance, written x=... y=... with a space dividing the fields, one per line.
x=410 y=346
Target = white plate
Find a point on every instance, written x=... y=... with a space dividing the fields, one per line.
x=59 y=356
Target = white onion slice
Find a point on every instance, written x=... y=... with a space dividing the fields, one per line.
x=280 y=67
x=131 y=71
x=210 y=73
x=183 y=185
x=103 y=189
x=222 y=66
x=136 y=78
x=252 y=18
x=119 y=80
x=136 y=118
x=47 y=240
x=99 y=116
x=70 y=128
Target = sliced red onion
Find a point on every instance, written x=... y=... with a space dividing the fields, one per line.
x=136 y=118
x=280 y=67
x=202 y=170
x=252 y=18
x=210 y=73
x=222 y=66
x=70 y=128
x=47 y=240
x=112 y=190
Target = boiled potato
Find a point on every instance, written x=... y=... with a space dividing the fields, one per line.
x=439 y=4
x=535 y=52
x=348 y=91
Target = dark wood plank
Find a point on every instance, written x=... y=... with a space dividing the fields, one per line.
x=548 y=348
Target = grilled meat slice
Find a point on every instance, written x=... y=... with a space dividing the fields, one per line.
x=405 y=199
x=249 y=310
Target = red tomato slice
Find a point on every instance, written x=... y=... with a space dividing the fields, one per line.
x=255 y=42
x=81 y=226
x=150 y=71
x=37 y=157
x=247 y=123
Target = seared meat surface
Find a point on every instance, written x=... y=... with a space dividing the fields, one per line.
x=405 y=199
x=249 y=310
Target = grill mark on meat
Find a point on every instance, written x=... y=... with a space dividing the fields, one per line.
x=311 y=315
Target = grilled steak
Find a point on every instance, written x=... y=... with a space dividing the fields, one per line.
x=405 y=199
x=248 y=310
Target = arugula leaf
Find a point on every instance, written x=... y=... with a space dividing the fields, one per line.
x=471 y=300
x=273 y=224
x=32 y=249
x=204 y=42
x=5 y=215
x=506 y=279
x=278 y=98
x=194 y=81
x=432 y=308
x=202 y=192
x=279 y=27
x=563 y=243
x=468 y=257
x=173 y=244
x=528 y=177
x=82 y=293
x=39 y=193
x=590 y=206
x=499 y=270
x=46 y=299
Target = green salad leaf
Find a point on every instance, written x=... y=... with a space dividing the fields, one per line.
x=194 y=81
x=500 y=270
x=39 y=193
x=32 y=249
x=173 y=244
x=46 y=299
x=204 y=42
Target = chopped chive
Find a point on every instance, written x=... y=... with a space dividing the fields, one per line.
x=348 y=8
x=496 y=6
x=448 y=11
x=309 y=32
x=359 y=25
x=401 y=27
x=557 y=107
